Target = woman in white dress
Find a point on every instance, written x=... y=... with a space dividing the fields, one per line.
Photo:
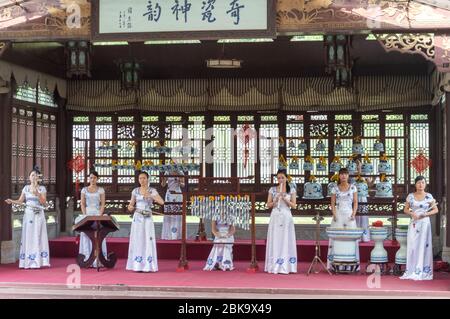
x=281 y=246
x=419 y=257
x=221 y=255
x=142 y=250
x=344 y=204
x=92 y=204
x=34 y=250
x=171 y=229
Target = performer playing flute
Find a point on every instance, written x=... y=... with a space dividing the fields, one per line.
x=281 y=247
x=34 y=250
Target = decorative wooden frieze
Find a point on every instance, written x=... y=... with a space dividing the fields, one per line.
x=435 y=48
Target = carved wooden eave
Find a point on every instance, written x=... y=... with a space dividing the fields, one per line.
x=322 y=16
x=53 y=19
x=45 y=20
x=435 y=48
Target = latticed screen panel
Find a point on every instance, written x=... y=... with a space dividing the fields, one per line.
x=174 y=137
x=45 y=97
x=25 y=93
x=126 y=135
x=246 y=144
x=392 y=129
x=152 y=132
x=294 y=135
x=80 y=130
x=419 y=144
x=344 y=130
x=223 y=149
x=371 y=131
x=103 y=136
x=319 y=131
x=46 y=146
x=22 y=144
x=33 y=143
x=196 y=136
x=395 y=147
x=268 y=151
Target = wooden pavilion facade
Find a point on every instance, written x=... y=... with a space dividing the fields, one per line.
x=398 y=55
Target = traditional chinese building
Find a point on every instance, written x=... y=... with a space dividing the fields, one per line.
x=78 y=75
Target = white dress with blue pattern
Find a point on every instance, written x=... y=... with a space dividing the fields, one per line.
x=221 y=255
x=142 y=250
x=171 y=228
x=419 y=256
x=281 y=246
x=93 y=203
x=34 y=250
x=344 y=210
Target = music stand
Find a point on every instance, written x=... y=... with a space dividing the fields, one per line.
x=316 y=260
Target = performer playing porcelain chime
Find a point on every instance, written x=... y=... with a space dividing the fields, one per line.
x=420 y=205
x=281 y=247
x=171 y=228
x=34 y=249
x=344 y=204
x=92 y=204
x=221 y=255
x=142 y=250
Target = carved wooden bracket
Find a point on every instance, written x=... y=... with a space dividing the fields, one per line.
x=435 y=48
x=3 y=47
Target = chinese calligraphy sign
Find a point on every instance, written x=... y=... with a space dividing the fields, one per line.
x=205 y=19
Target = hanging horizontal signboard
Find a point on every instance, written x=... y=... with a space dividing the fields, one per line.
x=141 y=20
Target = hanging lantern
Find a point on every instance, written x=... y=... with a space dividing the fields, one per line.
x=130 y=75
x=78 y=61
x=339 y=63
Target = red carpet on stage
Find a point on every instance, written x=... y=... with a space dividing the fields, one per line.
x=66 y=247
x=237 y=279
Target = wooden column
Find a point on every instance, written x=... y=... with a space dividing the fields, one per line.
x=5 y=165
x=63 y=148
x=447 y=165
x=436 y=152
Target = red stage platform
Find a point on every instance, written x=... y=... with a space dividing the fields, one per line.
x=66 y=247
x=117 y=282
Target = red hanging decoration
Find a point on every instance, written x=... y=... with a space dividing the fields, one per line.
x=246 y=133
x=420 y=163
x=77 y=164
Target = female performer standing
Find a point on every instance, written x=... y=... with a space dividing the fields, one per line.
x=142 y=250
x=92 y=204
x=281 y=247
x=344 y=204
x=34 y=252
x=172 y=224
x=420 y=205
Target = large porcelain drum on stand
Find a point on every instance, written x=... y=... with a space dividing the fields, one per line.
x=401 y=234
x=378 y=253
x=345 y=240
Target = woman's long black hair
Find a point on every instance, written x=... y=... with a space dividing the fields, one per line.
x=288 y=186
